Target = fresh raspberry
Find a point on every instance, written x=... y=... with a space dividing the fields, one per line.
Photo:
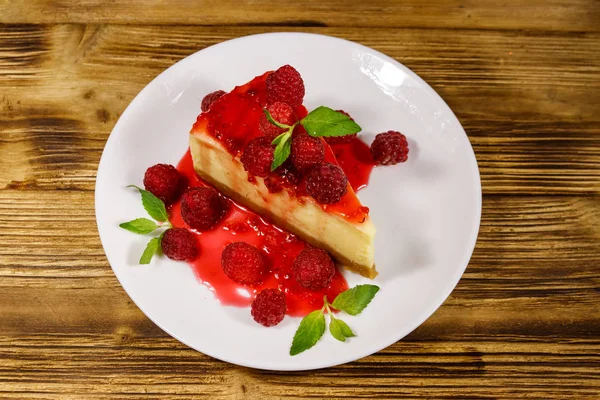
x=313 y=269
x=268 y=308
x=341 y=139
x=258 y=156
x=285 y=85
x=164 y=181
x=211 y=98
x=274 y=183
x=389 y=148
x=326 y=183
x=243 y=263
x=179 y=244
x=202 y=208
x=282 y=113
x=307 y=151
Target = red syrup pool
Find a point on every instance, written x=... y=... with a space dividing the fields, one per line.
x=281 y=248
x=356 y=160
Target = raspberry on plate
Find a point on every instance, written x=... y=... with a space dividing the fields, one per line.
x=243 y=263
x=179 y=244
x=326 y=183
x=306 y=152
x=285 y=85
x=268 y=308
x=280 y=112
x=211 y=98
x=341 y=139
x=313 y=269
x=389 y=148
x=258 y=156
x=164 y=181
x=202 y=208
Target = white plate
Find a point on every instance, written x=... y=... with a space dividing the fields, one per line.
x=426 y=210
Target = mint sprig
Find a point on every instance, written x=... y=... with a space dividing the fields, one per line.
x=140 y=226
x=157 y=210
x=321 y=122
x=312 y=327
x=153 y=205
x=150 y=250
x=339 y=329
x=354 y=300
x=309 y=332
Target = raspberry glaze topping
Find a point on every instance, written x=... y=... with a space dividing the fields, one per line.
x=234 y=120
x=280 y=248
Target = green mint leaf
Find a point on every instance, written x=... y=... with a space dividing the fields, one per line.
x=153 y=205
x=282 y=151
x=339 y=329
x=354 y=300
x=151 y=249
x=323 y=121
x=140 y=225
x=279 y=138
x=272 y=120
x=309 y=332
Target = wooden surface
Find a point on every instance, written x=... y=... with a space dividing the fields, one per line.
x=523 y=79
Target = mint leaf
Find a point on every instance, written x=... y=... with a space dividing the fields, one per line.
x=309 y=332
x=140 y=225
x=151 y=249
x=272 y=120
x=323 y=121
x=339 y=329
x=354 y=300
x=153 y=205
x=282 y=151
x=279 y=138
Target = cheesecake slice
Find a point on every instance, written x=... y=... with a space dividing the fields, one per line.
x=217 y=140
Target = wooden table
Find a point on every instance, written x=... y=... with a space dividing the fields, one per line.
x=524 y=80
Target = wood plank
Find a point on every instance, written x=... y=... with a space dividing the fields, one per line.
x=528 y=102
x=521 y=242
x=563 y=15
x=536 y=252
x=92 y=365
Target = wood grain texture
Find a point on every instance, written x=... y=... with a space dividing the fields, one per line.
x=562 y=15
x=523 y=79
x=529 y=103
x=523 y=321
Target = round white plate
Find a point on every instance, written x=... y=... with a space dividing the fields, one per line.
x=426 y=210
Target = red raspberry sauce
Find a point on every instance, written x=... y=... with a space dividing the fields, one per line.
x=281 y=249
x=234 y=120
x=356 y=160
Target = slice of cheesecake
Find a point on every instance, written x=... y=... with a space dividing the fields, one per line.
x=217 y=139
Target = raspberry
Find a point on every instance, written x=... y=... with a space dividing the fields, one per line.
x=285 y=85
x=258 y=156
x=313 y=269
x=274 y=183
x=282 y=113
x=179 y=244
x=389 y=148
x=341 y=139
x=326 y=183
x=211 y=98
x=307 y=151
x=202 y=208
x=164 y=181
x=243 y=263
x=268 y=308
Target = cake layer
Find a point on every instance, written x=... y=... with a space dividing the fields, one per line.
x=350 y=243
